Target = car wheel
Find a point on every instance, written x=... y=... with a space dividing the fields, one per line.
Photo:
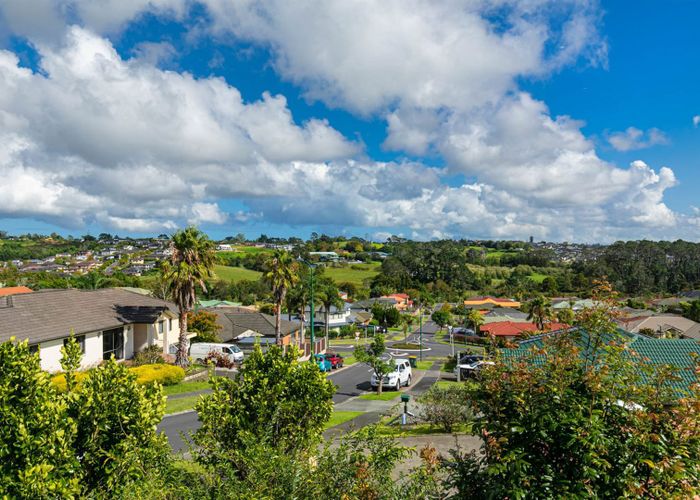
x=199 y=361
x=398 y=386
x=408 y=381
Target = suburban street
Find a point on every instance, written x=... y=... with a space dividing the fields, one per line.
x=351 y=381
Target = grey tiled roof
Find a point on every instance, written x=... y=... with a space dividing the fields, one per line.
x=52 y=314
x=236 y=320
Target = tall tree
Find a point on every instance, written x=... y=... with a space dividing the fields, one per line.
x=298 y=299
x=539 y=311
x=190 y=264
x=329 y=297
x=475 y=319
x=281 y=274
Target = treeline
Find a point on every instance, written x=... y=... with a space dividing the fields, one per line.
x=647 y=267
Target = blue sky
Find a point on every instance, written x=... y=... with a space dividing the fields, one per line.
x=565 y=120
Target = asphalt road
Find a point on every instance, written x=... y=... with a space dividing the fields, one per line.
x=350 y=382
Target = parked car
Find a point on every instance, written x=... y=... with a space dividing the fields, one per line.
x=335 y=359
x=200 y=350
x=323 y=363
x=472 y=369
x=400 y=376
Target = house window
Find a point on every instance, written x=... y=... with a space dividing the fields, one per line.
x=80 y=339
x=170 y=325
x=113 y=343
x=161 y=327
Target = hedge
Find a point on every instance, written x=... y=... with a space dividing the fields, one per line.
x=145 y=374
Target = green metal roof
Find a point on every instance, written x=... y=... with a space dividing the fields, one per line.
x=676 y=352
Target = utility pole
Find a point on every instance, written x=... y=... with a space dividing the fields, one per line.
x=420 y=322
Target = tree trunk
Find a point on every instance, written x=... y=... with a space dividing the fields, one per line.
x=327 y=329
x=302 y=320
x=181 y=357
x=381 y=383
x=278 y=324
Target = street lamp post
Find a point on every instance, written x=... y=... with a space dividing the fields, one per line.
x=420 y=323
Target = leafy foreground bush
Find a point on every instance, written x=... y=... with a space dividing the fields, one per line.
x=95 y=442
x=447 y=407
x=558 y=423
x=145 y=374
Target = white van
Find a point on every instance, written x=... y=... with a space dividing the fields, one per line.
x=200 y=350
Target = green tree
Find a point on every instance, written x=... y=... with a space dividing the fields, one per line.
x=565 y=316
x=206 y=326
x=274 y=400
x=386 y=315
x=539 y=311
x=560 y=424
x=190 y=264
x=374 y=356
x=298 y=299
x=407 y=321
x=691 y=310
x=36 y=434
x=281 y=274
x=441 y=318
x=327 y=295
x=475 y=319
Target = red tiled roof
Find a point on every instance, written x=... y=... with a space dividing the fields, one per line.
x=516 y=328
x=14 y=290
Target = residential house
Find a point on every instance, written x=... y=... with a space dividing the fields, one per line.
x=107 y=322
x=337 y=317
x=246 y=328
x=14 y=290
x=325 y=256
x=224 y=248
x=663 y=325
x=679 y=353
x=513 y=330
x=403 y=301
x=489 y=302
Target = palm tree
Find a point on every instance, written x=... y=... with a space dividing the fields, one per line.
x=475 y=319
x=539 y=311
x=329 y=297
x=190 y=264
x=298 y=300
x=407 y=320
x=281 y=275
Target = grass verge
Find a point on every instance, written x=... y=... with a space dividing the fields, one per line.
x=181 y=404
x=339 y=417
x=183 y=387
x=384 y=396
x=423 y=365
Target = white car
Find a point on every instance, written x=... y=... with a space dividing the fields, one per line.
x=401 y=376
x=200 y=350
x=472 y=369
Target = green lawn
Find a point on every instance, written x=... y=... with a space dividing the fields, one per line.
x=384 y=396
x=235 y=273
x=181 y=404
x=423 y=365
x=356 y=276
x=339 y=417
x=349 y=360
x=182 y=387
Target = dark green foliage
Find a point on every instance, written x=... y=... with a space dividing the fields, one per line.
x=447 y=407
x=206 y=326
x=274 y=400
x=150 y=355
x=386 y=316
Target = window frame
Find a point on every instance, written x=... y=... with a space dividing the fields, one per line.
x=116 y=349
x=80 y=339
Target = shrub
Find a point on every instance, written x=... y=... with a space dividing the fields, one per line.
x=162 y=373
x=405 y=345
x=60 y=380
x=150 y=355
x=446 y=407
x=219 y=359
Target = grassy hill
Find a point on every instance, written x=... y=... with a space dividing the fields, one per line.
x=235 y=273
x=357 y=275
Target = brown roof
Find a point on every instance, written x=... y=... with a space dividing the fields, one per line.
x=52 y=314
x=14 y=290
x=237 y=320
